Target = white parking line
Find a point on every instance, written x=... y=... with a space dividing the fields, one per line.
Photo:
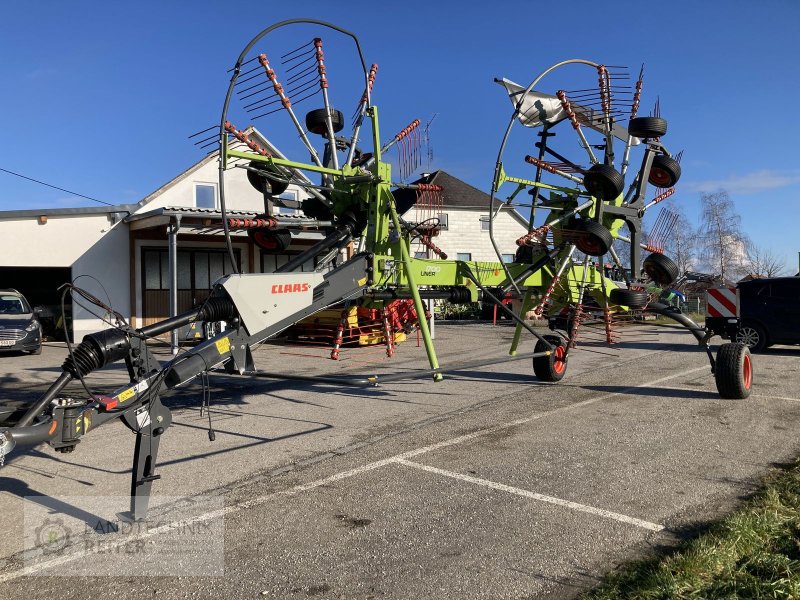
x=534 y=496
x=215 y=514
x=775 y=397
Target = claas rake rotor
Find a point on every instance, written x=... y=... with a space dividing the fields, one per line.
x=348 y=187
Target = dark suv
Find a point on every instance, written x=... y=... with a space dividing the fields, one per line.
x=770 y=312
x=19 y=328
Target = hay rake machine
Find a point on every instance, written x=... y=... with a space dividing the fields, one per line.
x=350 y=199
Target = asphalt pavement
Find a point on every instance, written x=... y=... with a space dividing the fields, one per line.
x=488 y=484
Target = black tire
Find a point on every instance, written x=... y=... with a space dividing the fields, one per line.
x=629 y=298
x=554 y=366
x=604 y=182
x=266 y=174
x=661 y=269
x=733 y=371
x=315 y=121
x=664 y=172
x=271 y=241
x=314 y=208
x=592 y=238
x=523 y=255
x=753 y=336
x=38 y=351
x=647 y=127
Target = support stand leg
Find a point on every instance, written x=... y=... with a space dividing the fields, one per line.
x=149 y=423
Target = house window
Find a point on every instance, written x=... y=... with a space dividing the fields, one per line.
x=508 y=258
x=442 y=221
x=205 y=195
x=283 y=210
x=485 y=223
x=197 y=269
x=463 y=255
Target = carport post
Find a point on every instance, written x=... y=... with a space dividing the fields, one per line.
x=173 y=279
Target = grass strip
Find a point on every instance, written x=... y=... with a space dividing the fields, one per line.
x=752 y=553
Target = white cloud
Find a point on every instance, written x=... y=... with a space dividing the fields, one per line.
x=749 y=183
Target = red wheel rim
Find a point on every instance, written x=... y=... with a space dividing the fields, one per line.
x=747 y=372
x=659 y=177
x=589 y=244
x=559 y=364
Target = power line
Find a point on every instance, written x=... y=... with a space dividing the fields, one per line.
x=55 y=187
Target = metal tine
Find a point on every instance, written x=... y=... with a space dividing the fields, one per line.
x=310 y=69
x=211 y=137
x=253 y=86
x=296 y=50
x=261 y=104
x=657 y=109
x=240 y=81
x=252 y=105
x=300 y=64
x=216 y=141
x=297 y=57
x=302 y=89
x=253 y=70
x=266 y=113
x=256 y=93
x=260 y=85
x=304 y=80
x=203 y=131
x=241 y=65
x=305 y=97
x=622 y=87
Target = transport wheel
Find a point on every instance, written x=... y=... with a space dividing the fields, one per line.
x=592 y=238
x=604 y=182
x=271 y=241
x=524 y=254
x=661 y=269
x=629 y=298
x=554 y=366
x=734 y=371
x=753 y=336
x=266 y=174
x=315 y=121
x=647 y=127
x=664 y=172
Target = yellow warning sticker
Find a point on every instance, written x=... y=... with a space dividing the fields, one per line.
x=362 y=281
x=223 y=345
x=126 y=395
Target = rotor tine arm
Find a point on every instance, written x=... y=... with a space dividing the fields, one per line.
x=287 y=104
x=550 y=168
x=637 y=95
x=605 y=101
x=567 y=106
x=323 y=84
x=362 y=109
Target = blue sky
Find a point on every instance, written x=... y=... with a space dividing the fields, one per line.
x=99 y=97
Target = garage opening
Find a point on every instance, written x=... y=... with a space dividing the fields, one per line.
x=40 y=286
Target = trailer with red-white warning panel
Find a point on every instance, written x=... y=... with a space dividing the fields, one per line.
x=723 y=312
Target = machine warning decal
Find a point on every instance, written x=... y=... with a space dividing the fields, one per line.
x=126 y=395
x=223 y=345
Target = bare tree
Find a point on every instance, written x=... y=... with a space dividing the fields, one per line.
x=681 y=244
x=723 y=245
x=764 y=262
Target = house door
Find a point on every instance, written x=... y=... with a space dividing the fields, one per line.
x=197 y=270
